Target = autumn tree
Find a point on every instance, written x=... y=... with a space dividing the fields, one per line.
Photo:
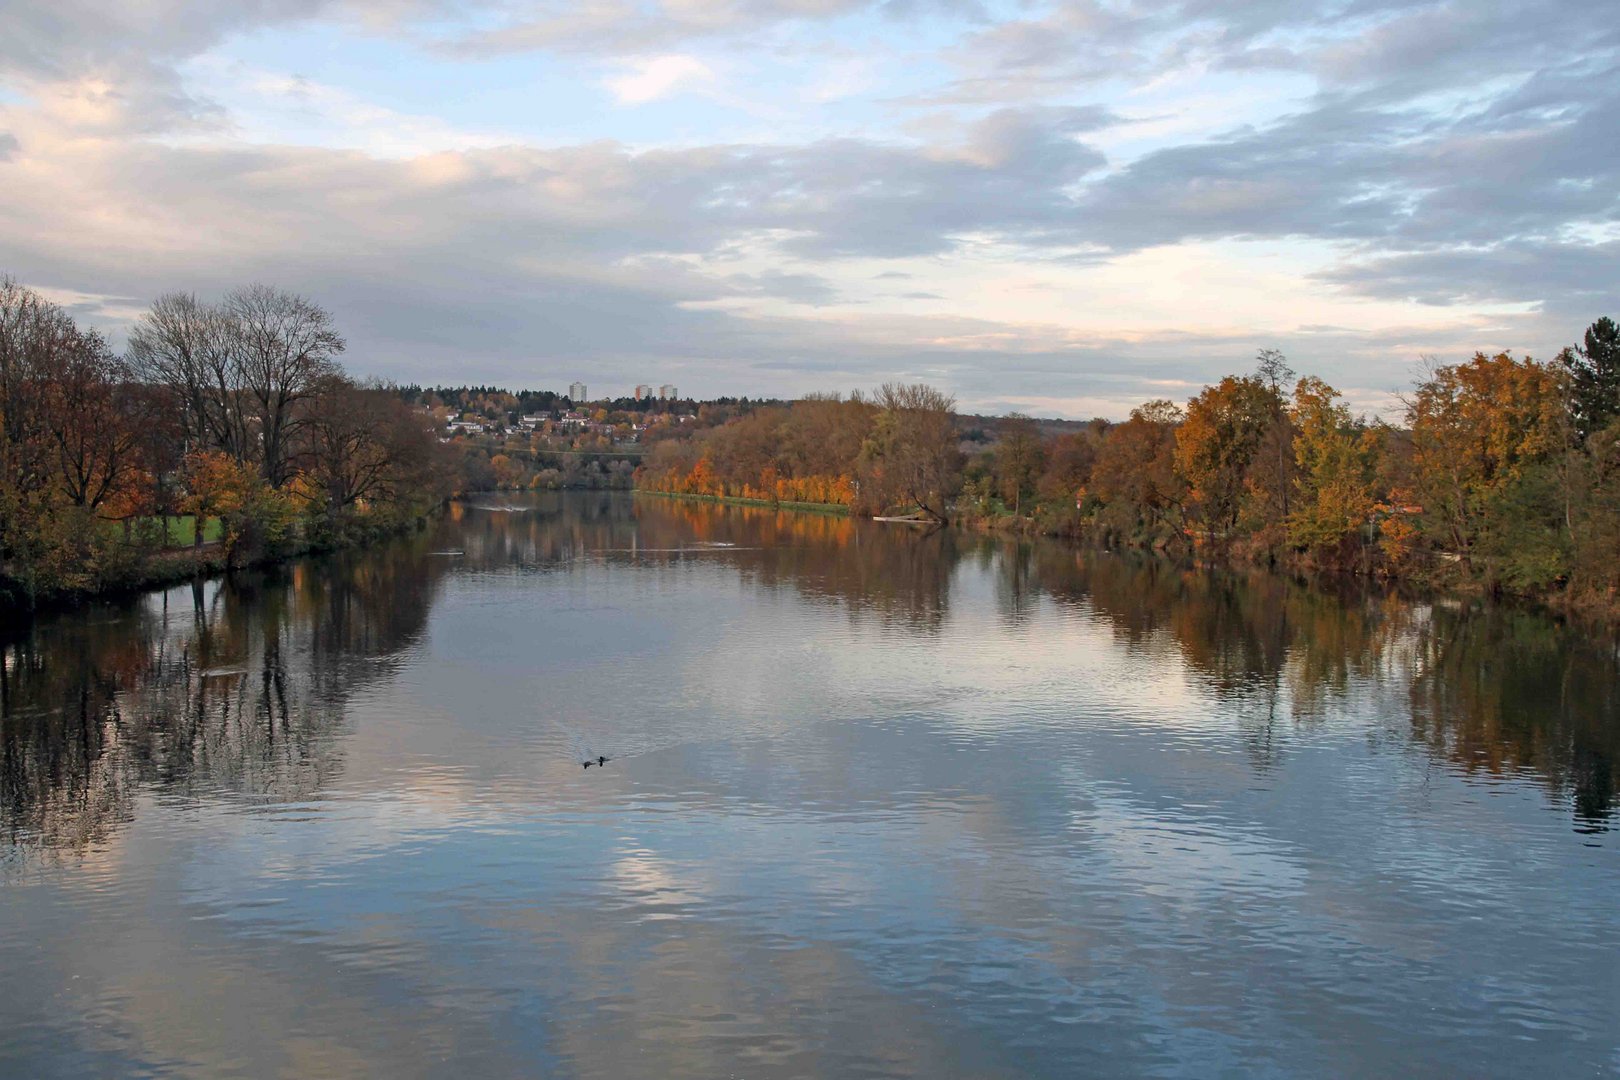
x=822 y=435
x=1135 y=475
x=34 y=336
x=1487 y=438
x=1019 y=458
x=1070 y=459
x=1216 y=445
x=1336 y=458
x=911 y=455
x=254 y=517
x=1271 y=477
x=91 y=421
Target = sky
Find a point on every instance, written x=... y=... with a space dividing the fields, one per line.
x=1056 y=208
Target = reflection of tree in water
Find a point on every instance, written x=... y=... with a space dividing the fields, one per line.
x=900 y=575
x=1282 y=653
x=1497 y=690
x=1017 y=581
x=239 y=691
x=1505 y=691
x=223 y=690
x=894 y=572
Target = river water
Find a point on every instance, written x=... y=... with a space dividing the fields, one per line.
x=878 y=803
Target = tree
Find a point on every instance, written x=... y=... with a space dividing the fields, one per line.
x=1486 y=440
x=1020 y=457
x=1136 y=476
x=1217 y=443
x=911 y=455
x=1336 y=458
x=1594 y=375
x=91 y=422
x=362 y=443
x=192 y=350
x=34 y=335
x=1271 y=479
x=1271 y=366
x=252 y=514
x=823 y=435
x=286 y=346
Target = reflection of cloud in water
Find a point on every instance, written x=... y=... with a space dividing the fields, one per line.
x=909 y=805
x=1183 y=856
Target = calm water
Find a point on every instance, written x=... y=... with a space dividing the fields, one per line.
x=880 y=803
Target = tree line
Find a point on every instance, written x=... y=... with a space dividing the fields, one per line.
x=1503 y=472
x=228 y=427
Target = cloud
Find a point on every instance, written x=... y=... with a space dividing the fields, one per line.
x=1070 y=183
x=622 y=27
x=657 y=77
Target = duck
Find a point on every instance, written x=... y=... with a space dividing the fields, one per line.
x=587 y=764
x=603 y=760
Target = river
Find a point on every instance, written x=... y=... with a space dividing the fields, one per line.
x=878 y=803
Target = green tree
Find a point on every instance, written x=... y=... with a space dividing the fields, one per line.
x=1594 y=378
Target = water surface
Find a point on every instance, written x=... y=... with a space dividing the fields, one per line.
x=880 y=803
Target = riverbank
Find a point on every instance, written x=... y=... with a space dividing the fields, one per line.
x=1434 y=578
x=140 y=569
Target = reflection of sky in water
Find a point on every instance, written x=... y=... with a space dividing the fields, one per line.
x=941 y=827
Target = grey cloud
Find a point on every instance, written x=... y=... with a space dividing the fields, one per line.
x=798 y=288
x=1442 y=187
x=65 y=38
x=1343 y=172
x=1582 y=277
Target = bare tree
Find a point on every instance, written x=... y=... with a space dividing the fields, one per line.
x=190 y=349
x=91 y=426
x=362 y=442
x=33 y=334
x=286 y=346
x=912 y=454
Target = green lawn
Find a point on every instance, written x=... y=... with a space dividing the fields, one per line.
x=182 y=530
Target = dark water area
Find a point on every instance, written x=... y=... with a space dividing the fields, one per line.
x=879 y=803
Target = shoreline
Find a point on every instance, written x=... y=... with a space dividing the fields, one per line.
x=175 y=566
x=1598 y=613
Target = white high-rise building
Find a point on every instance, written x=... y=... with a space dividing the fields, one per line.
x=643 y=392
x=576 y=392
x=668 y=392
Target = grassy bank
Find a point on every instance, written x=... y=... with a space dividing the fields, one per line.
x=141 y=569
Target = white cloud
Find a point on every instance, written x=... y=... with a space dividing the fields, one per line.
x=657 y=77
x=1349 y=206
